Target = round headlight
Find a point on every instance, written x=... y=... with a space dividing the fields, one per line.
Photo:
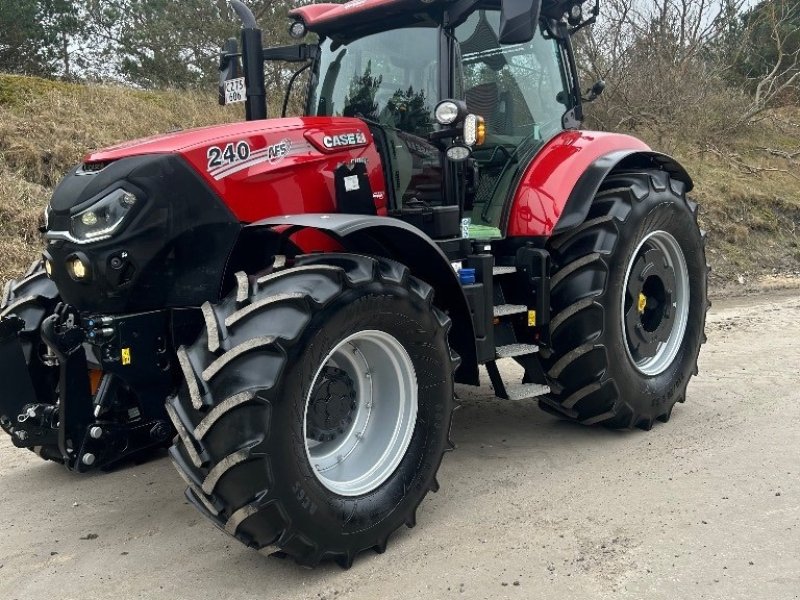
x=447 y=112
x=575 y=15
x=127 y=199
x=77 y=269
x=458 y=153
x=89 y=218
x=297 y=30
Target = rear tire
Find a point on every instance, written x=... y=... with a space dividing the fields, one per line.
x=33 y=298
x=629 y=302
x=244 y=417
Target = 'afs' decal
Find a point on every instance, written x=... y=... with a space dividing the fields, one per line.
x=237 y=157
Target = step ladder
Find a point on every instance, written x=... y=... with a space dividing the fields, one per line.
x=511 y=351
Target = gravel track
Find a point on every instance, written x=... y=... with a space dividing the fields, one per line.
x=706 y=506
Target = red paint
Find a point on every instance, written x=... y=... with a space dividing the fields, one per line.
x=324 y=18
x=298 y=183
x=550 y=178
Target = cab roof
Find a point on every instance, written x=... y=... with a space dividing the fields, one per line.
x=364 y=15
x=358 y=17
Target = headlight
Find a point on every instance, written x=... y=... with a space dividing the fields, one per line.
x=446 y=113
x=103 y=217
x=77 y=268
x=297 y=30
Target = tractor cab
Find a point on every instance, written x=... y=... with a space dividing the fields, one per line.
x=458 y=96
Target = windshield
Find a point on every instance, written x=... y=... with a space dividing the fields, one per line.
x=389 y=77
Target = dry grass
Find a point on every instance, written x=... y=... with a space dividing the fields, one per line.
x=748 y=185
x=749 y=192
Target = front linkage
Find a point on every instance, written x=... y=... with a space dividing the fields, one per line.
x=88 y=428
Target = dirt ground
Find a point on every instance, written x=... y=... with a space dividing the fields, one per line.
x=706 y=506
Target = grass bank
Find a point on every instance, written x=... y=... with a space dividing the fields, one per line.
x=748 y=182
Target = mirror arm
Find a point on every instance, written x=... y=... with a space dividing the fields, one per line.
x=295 y=53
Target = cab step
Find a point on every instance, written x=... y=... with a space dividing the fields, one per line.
x=504 y=310
x=512 y=350
x=523 y=391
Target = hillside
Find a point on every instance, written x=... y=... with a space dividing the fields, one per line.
x=748 y=185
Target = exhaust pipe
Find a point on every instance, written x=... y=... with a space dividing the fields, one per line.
x=252 y=62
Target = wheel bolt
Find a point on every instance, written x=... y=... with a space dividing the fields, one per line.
x=88 y=459
x=96 y=433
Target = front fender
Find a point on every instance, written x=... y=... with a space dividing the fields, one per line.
x=567 y=167
x=388 y=238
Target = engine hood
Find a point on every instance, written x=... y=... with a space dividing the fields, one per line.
x=265 y=168
x=186 y=140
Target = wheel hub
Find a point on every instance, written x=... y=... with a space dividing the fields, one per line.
x=332 y=405
x=655 y=302
x=652 y=284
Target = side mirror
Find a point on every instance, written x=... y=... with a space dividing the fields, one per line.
x=228 y=67
x=518 y=20
x=597 y=89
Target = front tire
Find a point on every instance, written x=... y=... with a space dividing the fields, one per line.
x=281 y=439
x=629 y=302
x=33 y=298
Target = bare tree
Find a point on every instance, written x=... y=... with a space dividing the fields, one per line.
x=778 y=20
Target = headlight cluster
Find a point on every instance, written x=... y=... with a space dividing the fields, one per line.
x=103 y=217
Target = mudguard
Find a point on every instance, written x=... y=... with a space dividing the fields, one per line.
x=557 y=188
x=388 y=238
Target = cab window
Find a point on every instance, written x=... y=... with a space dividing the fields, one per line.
x=522 y=92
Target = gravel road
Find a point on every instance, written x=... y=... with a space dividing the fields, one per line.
x=706 y=506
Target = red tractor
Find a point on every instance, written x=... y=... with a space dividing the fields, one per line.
x=293 y=299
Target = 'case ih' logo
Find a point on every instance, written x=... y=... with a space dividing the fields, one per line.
x=345 y=139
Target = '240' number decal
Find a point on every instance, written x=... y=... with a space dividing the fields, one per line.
x=231 y=154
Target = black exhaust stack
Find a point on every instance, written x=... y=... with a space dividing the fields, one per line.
x=253 y=63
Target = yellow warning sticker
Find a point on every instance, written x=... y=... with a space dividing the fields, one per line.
x=531 y=318
x=126 y=356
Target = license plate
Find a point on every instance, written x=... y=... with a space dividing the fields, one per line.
x=235 y=91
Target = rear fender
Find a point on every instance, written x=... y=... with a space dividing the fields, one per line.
x=557 y=188
x=375 y=236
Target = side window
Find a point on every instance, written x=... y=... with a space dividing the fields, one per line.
x=516 y=88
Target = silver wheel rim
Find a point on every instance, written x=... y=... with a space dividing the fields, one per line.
x=360 y=450
x=675 y=310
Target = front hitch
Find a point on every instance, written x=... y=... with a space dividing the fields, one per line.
x=89 y=429
x=63 y=335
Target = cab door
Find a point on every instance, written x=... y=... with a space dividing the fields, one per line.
x=522 y=92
